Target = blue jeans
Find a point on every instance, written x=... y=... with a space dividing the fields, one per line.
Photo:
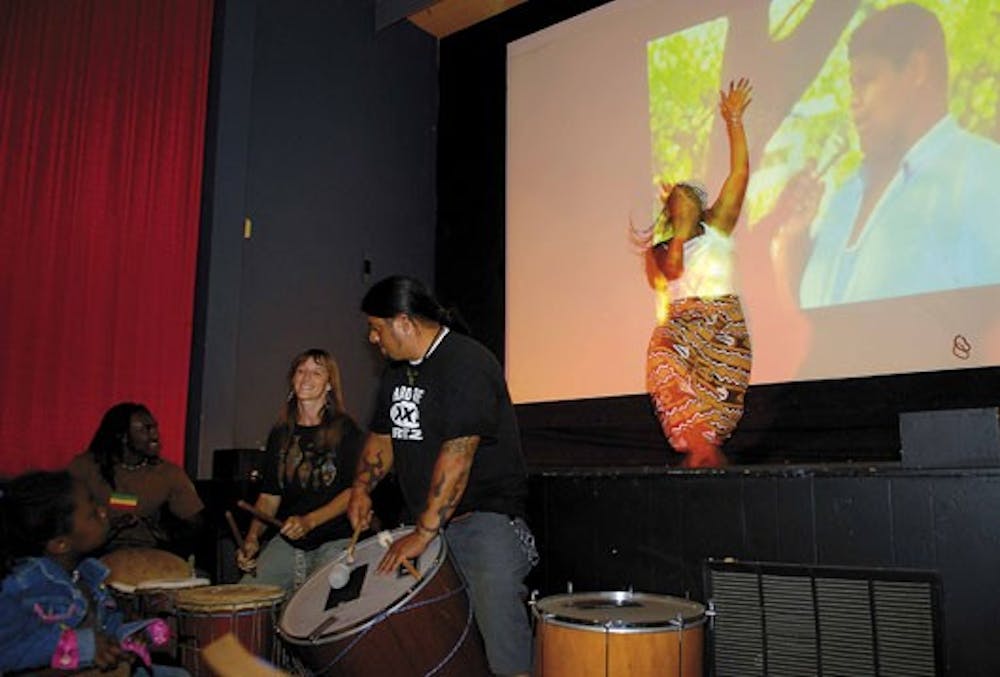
x=281 y=564
x=160 y=671
x=495 y=553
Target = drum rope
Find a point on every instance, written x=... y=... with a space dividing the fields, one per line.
x=385 y=614
x=458 y=643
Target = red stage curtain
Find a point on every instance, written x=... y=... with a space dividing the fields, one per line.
x=102 y=118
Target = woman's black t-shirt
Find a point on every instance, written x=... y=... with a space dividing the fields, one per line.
x=306 y=476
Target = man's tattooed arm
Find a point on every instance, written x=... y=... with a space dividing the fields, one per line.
x=374 y=462
x=448 y=482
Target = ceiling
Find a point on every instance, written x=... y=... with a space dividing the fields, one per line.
x=445 y=17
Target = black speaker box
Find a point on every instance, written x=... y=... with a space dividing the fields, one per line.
x=238 y=465
x=236 y=475
x=950 y=438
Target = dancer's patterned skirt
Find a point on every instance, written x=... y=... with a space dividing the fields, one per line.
x=698 y=369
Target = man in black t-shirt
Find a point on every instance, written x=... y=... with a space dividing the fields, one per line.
x=444 y=422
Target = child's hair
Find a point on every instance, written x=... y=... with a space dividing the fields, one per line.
x=34 y=508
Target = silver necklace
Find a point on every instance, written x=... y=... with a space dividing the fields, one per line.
x=411 y=369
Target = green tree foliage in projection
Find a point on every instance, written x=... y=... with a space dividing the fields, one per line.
x=785 y=16
x=684 y=70
x=685 y=76
x=820 y=128
x=974 y=65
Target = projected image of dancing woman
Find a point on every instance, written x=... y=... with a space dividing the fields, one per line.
x=698 y=362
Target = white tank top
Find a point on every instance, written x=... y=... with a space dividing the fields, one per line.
x=708 y=266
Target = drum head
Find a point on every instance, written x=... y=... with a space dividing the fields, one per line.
x=319 y=612
x=212 y=598
x=621 y=610
x=149 y=586
x=133 y=566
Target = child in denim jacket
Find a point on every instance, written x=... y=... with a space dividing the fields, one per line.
x=55 y=611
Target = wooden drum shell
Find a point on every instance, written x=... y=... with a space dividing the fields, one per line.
x=204 y=615
x=566 y=646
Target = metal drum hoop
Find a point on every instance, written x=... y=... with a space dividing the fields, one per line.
x=564 y=620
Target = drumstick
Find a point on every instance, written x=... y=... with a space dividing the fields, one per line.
x=411 y=569
x=262 y=516
x=237 y=536
x=354 y=542
x=235 y=530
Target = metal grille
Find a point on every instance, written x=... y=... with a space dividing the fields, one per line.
x=778 y=620
x=791 y=626
x=738 y=630
x=904 y=617
x=845 y=625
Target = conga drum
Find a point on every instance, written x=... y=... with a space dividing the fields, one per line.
x=144 y=581
x=365 y=623
x=618 y=634
x=205 y=614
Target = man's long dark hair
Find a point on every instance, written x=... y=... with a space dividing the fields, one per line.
x=107 y=445
x=405 y=295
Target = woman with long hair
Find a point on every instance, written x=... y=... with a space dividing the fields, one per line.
x=311 y=454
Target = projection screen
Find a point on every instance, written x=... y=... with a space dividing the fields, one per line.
x=883 y=183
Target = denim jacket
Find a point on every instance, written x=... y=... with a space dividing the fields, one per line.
x=41 y=605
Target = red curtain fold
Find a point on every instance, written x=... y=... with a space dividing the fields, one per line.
x=102 y=118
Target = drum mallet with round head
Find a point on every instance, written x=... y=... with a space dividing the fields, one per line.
x=339 y=575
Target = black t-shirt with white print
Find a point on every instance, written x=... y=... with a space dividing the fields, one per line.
x=457 y=390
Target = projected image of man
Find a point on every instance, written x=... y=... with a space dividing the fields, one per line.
x=918 y=215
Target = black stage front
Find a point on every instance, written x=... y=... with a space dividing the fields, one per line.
x=652 y=529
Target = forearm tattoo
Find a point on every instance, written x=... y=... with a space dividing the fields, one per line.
x=372 y=470
x=451 y=476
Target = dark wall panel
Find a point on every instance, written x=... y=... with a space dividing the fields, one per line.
x=853 y=525
x=796 y=520
x=711 y=522
x=663 y=548
x=760 y=520
x=618 y=542
x=912 y=511
x=576 y=508
x=967 y=542
x=336 y=168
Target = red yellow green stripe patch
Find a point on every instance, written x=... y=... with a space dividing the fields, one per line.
x=123 y=501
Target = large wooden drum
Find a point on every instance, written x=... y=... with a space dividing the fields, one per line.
x=618 y=634
x=366 y=623
x=205 y=614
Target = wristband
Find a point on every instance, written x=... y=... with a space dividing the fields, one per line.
x=421 y=527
